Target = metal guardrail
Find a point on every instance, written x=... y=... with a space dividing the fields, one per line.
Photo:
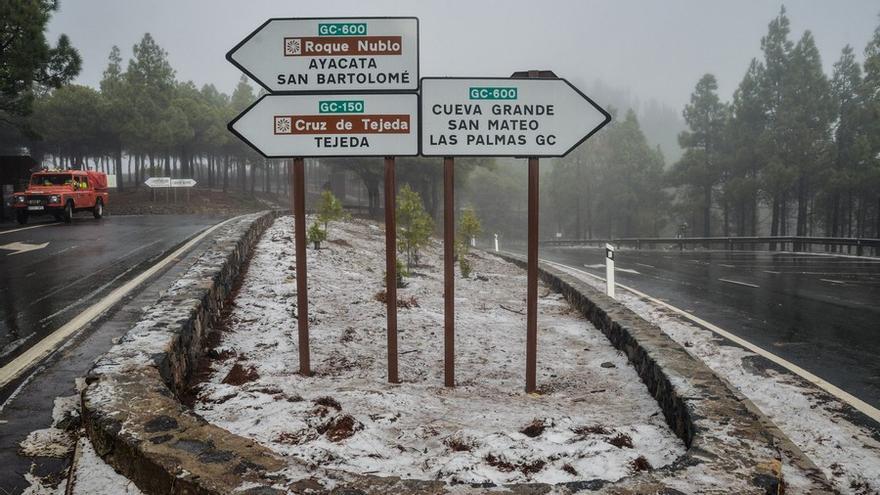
x=781 y=242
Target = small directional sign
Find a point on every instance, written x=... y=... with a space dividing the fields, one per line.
x=505 y=117
x=183 y=183
x=291 y=126
x=342 y=54
x=154 y=182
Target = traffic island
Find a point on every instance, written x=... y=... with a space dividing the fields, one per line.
x=259 y=427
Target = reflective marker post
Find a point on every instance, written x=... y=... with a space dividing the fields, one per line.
x=609 y=271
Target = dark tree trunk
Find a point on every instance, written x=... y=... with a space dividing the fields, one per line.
x=119 y=185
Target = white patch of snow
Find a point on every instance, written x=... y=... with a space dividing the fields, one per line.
x=38 y=488
x=95 y=477
x=47 y=442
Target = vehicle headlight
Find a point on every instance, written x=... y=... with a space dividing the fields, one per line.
x=54 y=199
x=19 y=199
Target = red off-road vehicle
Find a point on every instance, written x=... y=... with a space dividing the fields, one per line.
x=61 y=193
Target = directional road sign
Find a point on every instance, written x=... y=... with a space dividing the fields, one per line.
x=158 y=182
x=505 y=117
x=292 y=126
x=332 y=54
x=183 y=183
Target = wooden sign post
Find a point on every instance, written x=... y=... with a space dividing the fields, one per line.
x=313 y=110
x=532 y=114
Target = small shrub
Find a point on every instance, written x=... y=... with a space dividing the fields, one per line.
x=414 y=225
x=402 y=273
x=464 y=264
x=329 y=209
x=317 y=235
x=468 y=228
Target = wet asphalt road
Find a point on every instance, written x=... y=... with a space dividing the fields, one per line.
x=819 y=312
x=44 y=288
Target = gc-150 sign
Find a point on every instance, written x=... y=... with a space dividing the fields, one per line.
x=343 y=54
x=281 y=126
x=505 y=117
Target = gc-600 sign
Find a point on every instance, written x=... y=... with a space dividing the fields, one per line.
x=309 y=55
x=505 y=117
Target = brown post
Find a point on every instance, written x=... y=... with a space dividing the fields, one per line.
x=391 y=267
x=448 y=272
x=532 y=283
x=298 y=197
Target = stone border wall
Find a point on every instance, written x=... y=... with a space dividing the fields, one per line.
x=137 y=424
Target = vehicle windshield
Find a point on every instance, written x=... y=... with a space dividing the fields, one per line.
x=52 y=180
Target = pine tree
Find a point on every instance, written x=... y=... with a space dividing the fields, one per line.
x=778 y=176
x=746 y=130
x=808 y=123
x=848 y=143
x=868 y=176
x=701 y=165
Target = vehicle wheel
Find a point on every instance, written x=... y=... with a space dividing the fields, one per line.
x=68 y=212
x=21 y=216
x=98 y=210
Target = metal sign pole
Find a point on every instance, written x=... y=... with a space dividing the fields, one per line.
x=532 y=283
x=391 y=267
x=297 y=178
x=448 y=272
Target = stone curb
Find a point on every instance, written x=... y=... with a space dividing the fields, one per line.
x=137 y=424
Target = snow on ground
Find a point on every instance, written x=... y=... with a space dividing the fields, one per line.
x=849 y=454
x=95 y=477
x=593 y=418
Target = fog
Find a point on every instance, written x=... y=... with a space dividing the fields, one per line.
x=654 y=50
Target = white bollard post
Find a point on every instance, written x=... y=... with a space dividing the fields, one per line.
x=609 y=271
x=496 y=243
x=473 y=241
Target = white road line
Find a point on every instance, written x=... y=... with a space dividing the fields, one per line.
x=745 y=284
x=839 y=282
x=837 y=392
x=26 y=228
x=627 y=270
x=649 y=266
x=772 y=271
x=725 y=265
x=45 y=347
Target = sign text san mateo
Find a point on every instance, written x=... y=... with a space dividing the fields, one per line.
x=299 y=55
x=505 y=117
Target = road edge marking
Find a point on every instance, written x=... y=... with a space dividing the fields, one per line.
x=51 y=342
x=10 y=231
x=837 y=392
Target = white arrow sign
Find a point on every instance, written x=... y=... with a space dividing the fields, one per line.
x=22 y=247
x=505 y=117
x=158 y=182
x=327 y=54
x=302 y=126
x=183 y=182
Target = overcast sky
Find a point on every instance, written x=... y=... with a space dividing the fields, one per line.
x=656 y=49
